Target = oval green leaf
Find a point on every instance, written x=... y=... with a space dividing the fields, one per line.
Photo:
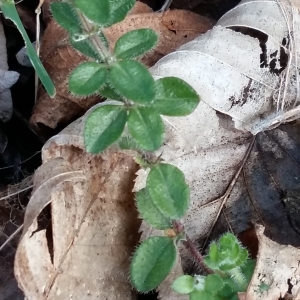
x=133 y=81
x=103 y=127
x=213 y=283
x=97 y=11
x=135 y=43
x=149 y=212
x=66 y=16
x=202 y=295
x=213 y=252
x=87 y=78
x=85 y=47
x=146 y=128
x=168 y=190
x=174 y=97
x=118 y=10
x=152 y=262
x=184 y=284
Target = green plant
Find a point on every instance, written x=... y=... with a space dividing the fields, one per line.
x=232 y=272
x=140 y=100
x=9 y=11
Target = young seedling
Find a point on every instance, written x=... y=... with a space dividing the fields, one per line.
x=139 y=102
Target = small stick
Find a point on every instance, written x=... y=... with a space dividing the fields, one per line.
x=37 y=45
x=16 y=193
x=165 y=6
x=11 y=237
x=229 y=189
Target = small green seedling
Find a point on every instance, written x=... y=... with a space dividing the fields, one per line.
x=118 y=75
x=140 y=101
x=9 y=11
x=233 y=271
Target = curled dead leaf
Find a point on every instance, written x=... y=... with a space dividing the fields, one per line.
x=94 y=225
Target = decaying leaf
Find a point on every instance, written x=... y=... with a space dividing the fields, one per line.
x=93 y=227
x=7 y=79
x=59 y=58
x=277 y=272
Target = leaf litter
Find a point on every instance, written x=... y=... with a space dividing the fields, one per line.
x=248 y=85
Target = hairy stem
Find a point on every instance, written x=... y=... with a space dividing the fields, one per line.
x=190 y=246
x=95 y=39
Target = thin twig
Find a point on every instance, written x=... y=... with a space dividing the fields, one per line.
x=16 y=193
x=37 y=45
x=165 y=6
x=190 y=246
x=22 y=162
x=88 y=27
x=229 y=189
x=11 y=237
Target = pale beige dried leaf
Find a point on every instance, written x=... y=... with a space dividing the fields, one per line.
x=277 y=266
x=94 y=226
x=47 y=180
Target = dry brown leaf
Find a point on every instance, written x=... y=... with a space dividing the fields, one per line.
x=94 y=226
x=59 y=58
x=277 y=268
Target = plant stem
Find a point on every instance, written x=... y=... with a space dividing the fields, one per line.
x=88 y=27
x=190 y=246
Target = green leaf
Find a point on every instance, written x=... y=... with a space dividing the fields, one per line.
x=248 y=269
x=109 y=92
x=9 y=11
x=227 y=241
x=243 y=256
x=213 y=252
x=105 y=12
x=146 y=127
x=97 y=11
x=174 y=97
x=135 y=43
x=66 y=16
x=202 y=295
x=213 y=283
x=87 y=78
x=85 y=47
x=149 y=212
x=152 y=262
x=133 y=81
x=184 y=284
x=168 y=190
x=103 y=127
x=103 y=39
x=230 y=288
x=118 y=10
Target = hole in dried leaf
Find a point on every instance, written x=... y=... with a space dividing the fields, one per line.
x=290 y=286
x=276 y=62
